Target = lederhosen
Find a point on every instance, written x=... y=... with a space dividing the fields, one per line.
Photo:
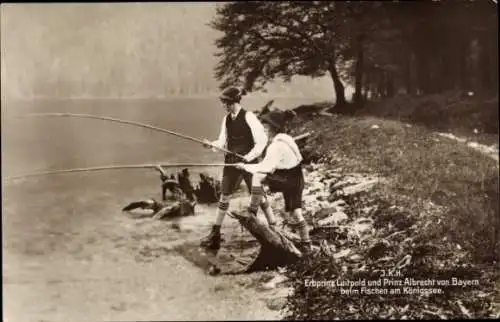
x=239 y=140
x=290 y=182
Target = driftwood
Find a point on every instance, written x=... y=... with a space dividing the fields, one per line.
x=164 y=209
x=277 y=247
x=208 y=190
x=180 y=200
x=175 y=209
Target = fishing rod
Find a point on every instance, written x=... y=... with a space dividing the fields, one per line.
x=136 y=166
x=147 y=126
x=120 y=167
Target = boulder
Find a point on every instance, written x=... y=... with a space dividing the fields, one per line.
x=360 y=187
x=334 y=218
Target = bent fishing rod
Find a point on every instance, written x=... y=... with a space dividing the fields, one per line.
x=133 y=166
x=136 y=166
x=120 y=167
x=147 y=126
x=124 y=166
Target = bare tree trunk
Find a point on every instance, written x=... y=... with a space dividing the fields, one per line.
x=408 y=75
x=358 y=72
x=389 y=84
x=337 y=85
x=381 y=84
x=276 y=248
x=366 y=85
x=463 y=62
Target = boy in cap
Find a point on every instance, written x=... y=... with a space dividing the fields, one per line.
x=281 y=170
x=241 y=132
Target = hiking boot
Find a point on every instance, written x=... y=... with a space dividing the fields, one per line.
x=213 y=240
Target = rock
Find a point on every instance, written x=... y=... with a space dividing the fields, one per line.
x=213 y=270
x=363 y=186
x=276 y=304
x=367 y=210
x=363 y=220
x=334 y=218
x=375 y=126
x=355 y=258
x=342 y=253
x=340 y=184
x=361 y=226
x=338 y=203
x=218 y=288
x=272 y=284
x=309 y=168
x=378 y=250
x=324 y=213
x=316 y=187
x=439 y=197
x=327 y=249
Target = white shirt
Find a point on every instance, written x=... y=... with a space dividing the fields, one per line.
x=282 y=153
x=258 y=133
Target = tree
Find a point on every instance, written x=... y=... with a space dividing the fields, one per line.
x=426 y=46
x=262 y=41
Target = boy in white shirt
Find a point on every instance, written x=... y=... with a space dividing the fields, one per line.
x=281 y=170
x=240 y=132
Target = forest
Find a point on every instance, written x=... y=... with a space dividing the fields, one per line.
x=381 y=48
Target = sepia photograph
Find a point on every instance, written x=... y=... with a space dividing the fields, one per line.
x=250 y=160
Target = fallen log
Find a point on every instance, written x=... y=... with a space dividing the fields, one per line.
x=276 y=249
x=164 y=209
x=176 y=209
x=208 y=190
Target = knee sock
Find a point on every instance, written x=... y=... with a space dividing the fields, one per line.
x=301 y=225
x=222 y=207
x=268 y=211
x=256 y=199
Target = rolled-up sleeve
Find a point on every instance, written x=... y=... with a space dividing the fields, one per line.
x=259 y=135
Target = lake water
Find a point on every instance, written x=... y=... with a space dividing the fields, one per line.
x=58 y=229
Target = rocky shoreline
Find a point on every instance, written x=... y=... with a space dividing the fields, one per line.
x=365 y=238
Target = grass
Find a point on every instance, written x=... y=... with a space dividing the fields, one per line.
x=444 y=112
x=421 y=167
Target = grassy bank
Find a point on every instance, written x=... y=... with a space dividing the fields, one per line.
x=473 y=116
x=440 y=196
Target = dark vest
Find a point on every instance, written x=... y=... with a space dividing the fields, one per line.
x=239 y=136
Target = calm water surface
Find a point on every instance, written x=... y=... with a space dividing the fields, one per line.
x=65 y=225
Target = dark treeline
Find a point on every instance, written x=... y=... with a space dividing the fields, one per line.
x=379 y=47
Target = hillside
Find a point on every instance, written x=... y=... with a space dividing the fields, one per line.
x=432 y=215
